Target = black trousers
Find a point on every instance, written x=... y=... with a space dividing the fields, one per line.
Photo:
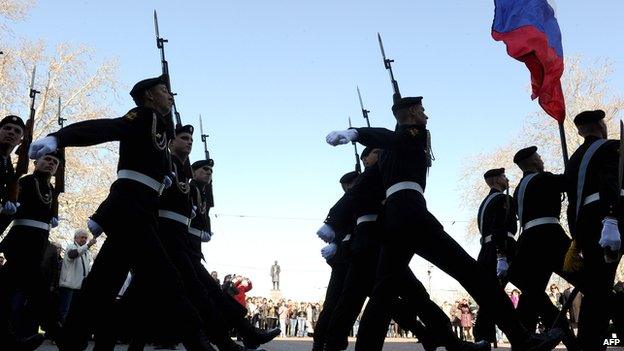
x=129 y=218
x=596 y=281
x=359 y=284
x=411 y=229
x=541 y=252
x=22 y=274
x=340 y=267
x=485 y=328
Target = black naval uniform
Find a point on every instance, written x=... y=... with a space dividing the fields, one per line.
x=362 y=202
x=496 y=220
x=129 y=217
x=597 y=199
x=24 y=246
x=410 y=228
x=7 y=177
x=542 y=245
x=339 y=264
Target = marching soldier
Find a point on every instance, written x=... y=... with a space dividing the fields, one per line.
x=496 y=220
x=410 y=229
x=542 y=244
x=11 y=132
x=595 y=217
x=24 y=247
x=199 y=232
x=336 y=255
x=362 y=203
x=129 y=218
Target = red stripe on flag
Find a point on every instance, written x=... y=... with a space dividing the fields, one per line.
x=529 y=45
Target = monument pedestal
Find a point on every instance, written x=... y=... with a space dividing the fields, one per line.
x=275 y=295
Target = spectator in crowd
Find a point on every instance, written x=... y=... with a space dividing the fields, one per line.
x=466 y=319
x=575 y=308
x=227 y=285
x=292 y=317
x=309 y=314
x=515 y=297
x=301 y=320
x=242 y=286
x=272 y=317
x=455 y=317
x=51 y=269
x=215 y=276
x=74 y=269
x=282 y=312
x=555 y=295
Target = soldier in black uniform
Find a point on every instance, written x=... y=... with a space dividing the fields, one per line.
x=11 y=132
x=542 y=244
x=496 y=221
x=200 y=231
x=410 y=228
x=362 y=203
x=336 y=253
x=24 y=247
x=129 y=218
x=595 y=217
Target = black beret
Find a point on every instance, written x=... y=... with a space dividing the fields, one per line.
x=367 y=150
x=406 y=102
x=184 y=129
x=587 y=117
x=13 y=120
x=202 y=163
x=145 y=84
x=494 y=173
x=523 y=154
x=349 y=177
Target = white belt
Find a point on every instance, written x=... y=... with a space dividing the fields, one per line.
x=347 y=237
x=32 y=223
x=539 y=221
x=488 y=238
x=366 y=218
x=404 y=186
x=174 y=217
x=595 y=197
x=141 y=178
x=196 y=232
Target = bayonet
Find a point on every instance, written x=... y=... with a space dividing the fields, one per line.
x=160 y=44
x=32 y=92
x=358 y=167
x=204 y=138
x=364 y=111
x=60 y=120
x=388 y=65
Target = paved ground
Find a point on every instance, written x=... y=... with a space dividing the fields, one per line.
x=292 y=344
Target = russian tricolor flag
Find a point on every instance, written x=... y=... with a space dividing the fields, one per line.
x=531 y=33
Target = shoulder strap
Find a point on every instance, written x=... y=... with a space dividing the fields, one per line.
x=521 y=191
x=583 y=172
x=484 y=206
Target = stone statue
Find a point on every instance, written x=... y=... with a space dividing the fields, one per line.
x=275 y=272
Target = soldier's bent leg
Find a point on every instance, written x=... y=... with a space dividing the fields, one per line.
x=334 y=287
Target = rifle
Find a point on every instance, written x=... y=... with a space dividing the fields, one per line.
x=388 y=64
x=160 y=44
x=364 y=111
x=21 y=167
x=204 y=139
x=59 y=176
x=358 y=167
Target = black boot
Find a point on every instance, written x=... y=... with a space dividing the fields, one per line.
x=30 y=343
x=230 y=345
x=257 y=337
x=474 y=346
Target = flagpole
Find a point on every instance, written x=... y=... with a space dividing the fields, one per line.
x=564 y=143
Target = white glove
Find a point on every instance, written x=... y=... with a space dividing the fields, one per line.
x=339 y=137
x=501 y=266
x=9 y=208
x=42 y=146
x=329 y=251
x=94 y=228
x=54 y=222
x=610 y=237
x=326 y=233
x=206 y=236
